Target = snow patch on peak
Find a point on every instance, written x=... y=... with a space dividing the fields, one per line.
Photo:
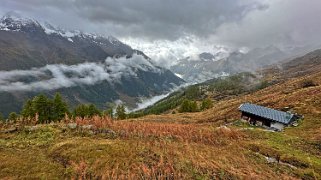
x=113 y=40
x=50 y=29
x=14 y=16
x=179 y=75
x=13 y=21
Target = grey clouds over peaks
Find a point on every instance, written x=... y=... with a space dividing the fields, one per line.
x=161 y=26
x=151 y=19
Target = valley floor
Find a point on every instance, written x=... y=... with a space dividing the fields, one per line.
x=175 y=146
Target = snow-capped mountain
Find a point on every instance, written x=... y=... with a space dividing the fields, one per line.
x=201 y=67
x=206 y=66
x=39 y=57
x=14 y=22
x=81 y=46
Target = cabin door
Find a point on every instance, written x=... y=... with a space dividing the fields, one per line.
x=267 y=123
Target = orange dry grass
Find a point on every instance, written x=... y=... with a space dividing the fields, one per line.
x=171 y=131
x=97 y=122
x=181 y=132
x=81 y=169
x=160 y=170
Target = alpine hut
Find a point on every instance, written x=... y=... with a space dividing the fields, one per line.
x=266 y=117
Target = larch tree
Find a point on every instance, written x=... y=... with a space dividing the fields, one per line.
x=60 y=107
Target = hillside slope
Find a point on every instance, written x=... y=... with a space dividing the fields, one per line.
x=212 y=144
x=287 y=79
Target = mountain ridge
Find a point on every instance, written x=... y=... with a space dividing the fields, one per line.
x=86 y=68
x=206 y=65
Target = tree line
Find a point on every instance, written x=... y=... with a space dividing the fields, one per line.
x=47 y=110
x=193 y=106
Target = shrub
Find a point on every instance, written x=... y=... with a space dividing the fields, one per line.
x=206 y=104
x=307 y=83
x=13 y=116
x=188 y=106
x=121 y=112
x=263 y=85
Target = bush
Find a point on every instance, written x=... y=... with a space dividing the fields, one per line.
x=206 y=104
x=263 y=85
x=188 y=106
x=13 y=116
x=307 y=83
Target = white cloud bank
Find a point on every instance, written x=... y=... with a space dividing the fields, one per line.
x=56 y=76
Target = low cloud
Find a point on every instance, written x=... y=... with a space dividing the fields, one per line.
x=58 y=76
x=148 y=102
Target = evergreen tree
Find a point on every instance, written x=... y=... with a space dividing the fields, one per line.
x=93 y=110
x=28 y=110
x=47 y=109
x=121 y=112
x=43 y=106
x=81 y=111
x=109 y=112
x=206 y=104
x=60 y=108
x=193 y=106
x=188 y=106
x=193 y=92
x=13 y=116
x=185 y=107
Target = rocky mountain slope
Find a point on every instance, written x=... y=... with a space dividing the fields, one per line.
x=86 y=68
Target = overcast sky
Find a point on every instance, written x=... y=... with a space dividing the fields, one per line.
x=166 y=29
